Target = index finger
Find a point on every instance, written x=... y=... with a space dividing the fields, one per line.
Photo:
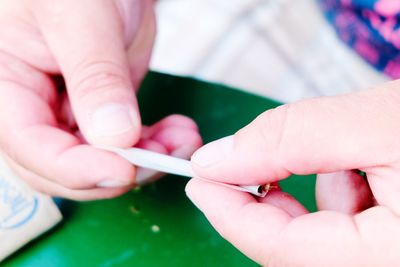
x=31 y=137
x=319 y=135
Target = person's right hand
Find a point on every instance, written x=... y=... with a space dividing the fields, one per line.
x=101 y=48
x=359 y=219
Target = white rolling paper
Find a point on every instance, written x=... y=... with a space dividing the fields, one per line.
x=177 y=166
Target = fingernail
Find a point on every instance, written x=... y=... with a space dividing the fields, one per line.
x=112 y=119
x=213 y=152
x=112 y=183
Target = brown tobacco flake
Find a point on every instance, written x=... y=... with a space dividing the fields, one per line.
x=134 y=210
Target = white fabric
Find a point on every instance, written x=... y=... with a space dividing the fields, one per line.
x=283 y=49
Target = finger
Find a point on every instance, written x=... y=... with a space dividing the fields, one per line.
x=313 y=136
x=145 y=176
x=268 y=234
x=177 y=133
x=139 y=52
x=34 y=141
x=223 y=207
x=88 y=44
x=21 y=38
x=345 y=191
x=13 y=68
x=284 y=201
x=239 y=218
x=174 y=120
x=174 y=137
x=65 y=115
x=48 y=187
x=131 y=13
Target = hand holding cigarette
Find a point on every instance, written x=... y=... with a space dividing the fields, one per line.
x=101 y=49
x=359 y=219
x=173 y=165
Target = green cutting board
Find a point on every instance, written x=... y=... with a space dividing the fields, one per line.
x=157 y=225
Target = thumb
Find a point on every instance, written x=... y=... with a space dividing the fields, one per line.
x=319 y=135
x=87 y=40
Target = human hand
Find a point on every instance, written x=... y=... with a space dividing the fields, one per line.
x=358 y=223
x=102 y=49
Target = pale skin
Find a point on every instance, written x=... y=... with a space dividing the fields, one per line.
x=359 y=220
x=102 y=48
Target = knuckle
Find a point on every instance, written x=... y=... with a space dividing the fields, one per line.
x=272 y=127
x=101 y=77
x=178 y=120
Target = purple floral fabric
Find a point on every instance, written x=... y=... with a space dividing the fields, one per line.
x=371 y=28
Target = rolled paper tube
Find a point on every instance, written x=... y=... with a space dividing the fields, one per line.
x=167 y=164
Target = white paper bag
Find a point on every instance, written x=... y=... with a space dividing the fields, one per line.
x=24 y=213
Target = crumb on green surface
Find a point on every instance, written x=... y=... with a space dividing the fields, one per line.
x=134 y=210
x=137 y=189
x=155 y=228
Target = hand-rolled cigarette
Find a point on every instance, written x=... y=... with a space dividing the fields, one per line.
x=167 y=164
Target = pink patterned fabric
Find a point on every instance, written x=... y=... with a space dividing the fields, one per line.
x=371 y=28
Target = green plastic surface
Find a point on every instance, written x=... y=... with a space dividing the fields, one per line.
x=157 y=225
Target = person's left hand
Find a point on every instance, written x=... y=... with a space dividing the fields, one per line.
x=101 y=48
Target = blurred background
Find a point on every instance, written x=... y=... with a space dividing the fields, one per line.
x=282 y=49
